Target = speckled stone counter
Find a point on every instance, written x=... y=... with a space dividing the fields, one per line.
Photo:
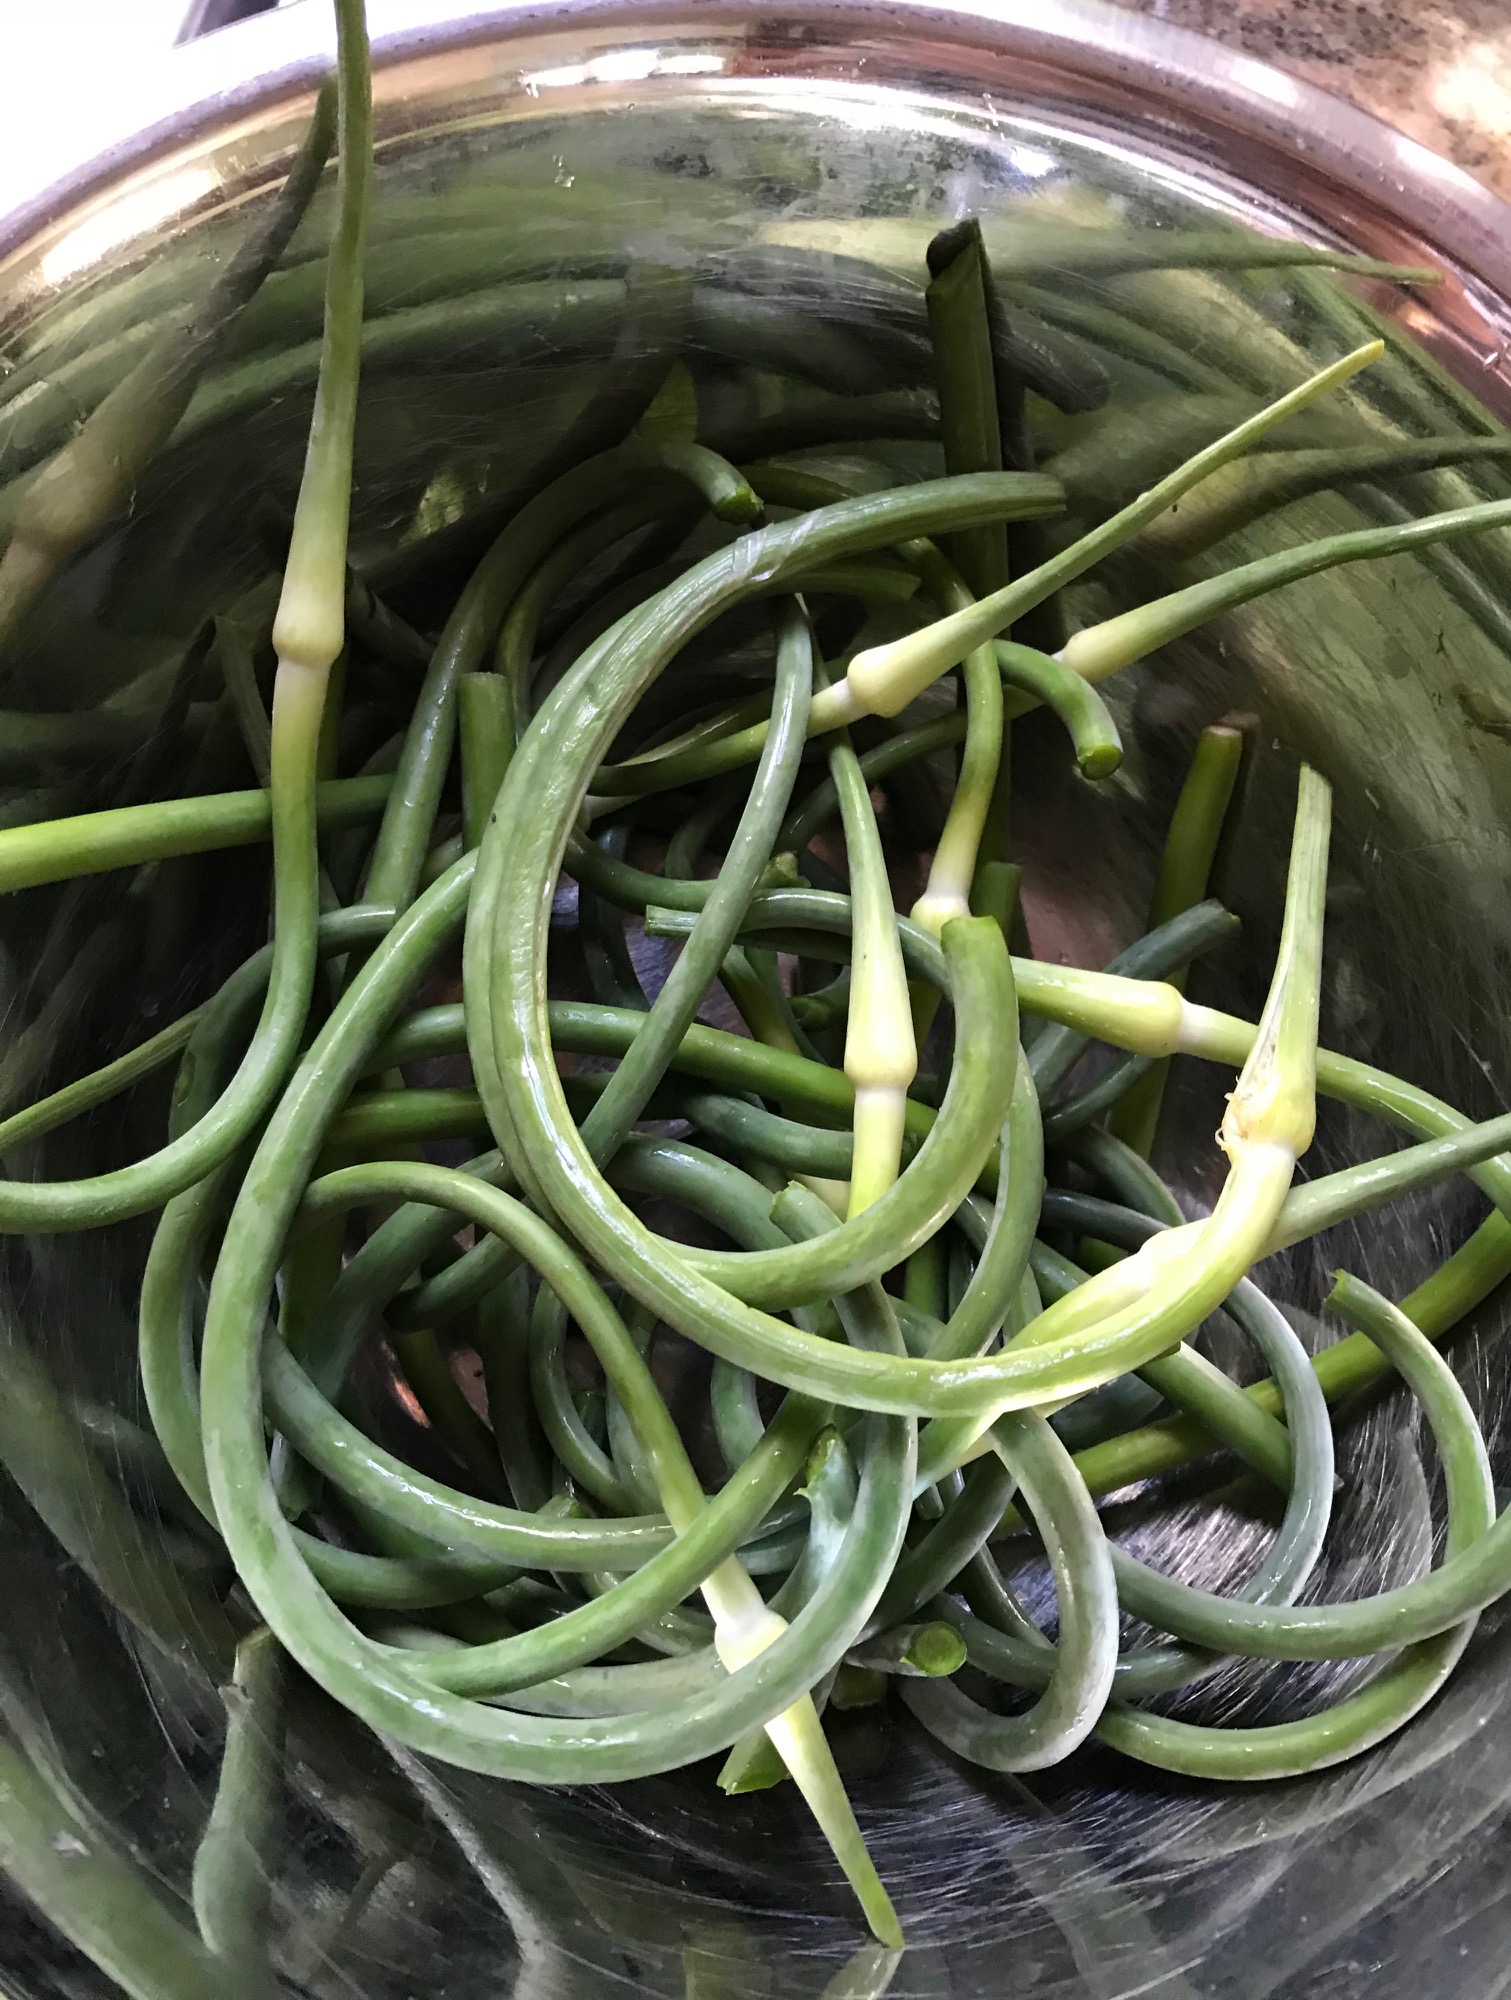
x=1438 y=69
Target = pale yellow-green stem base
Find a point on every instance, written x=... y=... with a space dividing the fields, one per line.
x=1218 y=1037
x=299 y=690
x=947 y=896
x=1127 y=1283
x=1099 y=651
x=799 y=1738
x=744 y=1626
x=1194 y=1267
x=832 y=707
x=835 y=1195
x=1147 y=1016
x=310 y=627
x=953 y=868
x=879 y=1121
x=940 y=904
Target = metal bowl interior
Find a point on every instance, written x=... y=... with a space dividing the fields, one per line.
x=523 y=166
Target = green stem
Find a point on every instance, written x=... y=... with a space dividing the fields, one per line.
x=486 y=723
x=1087 y=720
x=23 y=1127
x=1102 y=649
x=1185 y=871
x=881 y=1056
x=92 y=478
x=232 y=1863
x=310 y=627
x=126 y=836
x=102 y=1902
x=883 y=680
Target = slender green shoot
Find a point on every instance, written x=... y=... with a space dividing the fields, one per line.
x=1185 y=871
x=1104 y=649
x=231 y=1881
x=1252 y=488
x=881 y=1054
x=951 y=872
x=1182 y=1274
x=884 y=679
x=102 y=1902
x=57 y=850
x=91 y=480
x=310 y=628
x=35 y=1121
x=486 y=725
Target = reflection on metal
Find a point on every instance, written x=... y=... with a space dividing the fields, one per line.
x=118 y=223
x=621 y=66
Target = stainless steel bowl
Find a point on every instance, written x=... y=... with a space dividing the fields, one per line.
x=571 y=136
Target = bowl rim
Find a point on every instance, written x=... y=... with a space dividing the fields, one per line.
x=1166 y=73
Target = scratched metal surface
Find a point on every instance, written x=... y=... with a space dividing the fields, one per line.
x=1100 y=1879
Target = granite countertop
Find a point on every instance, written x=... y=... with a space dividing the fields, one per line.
x=1437 y=69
